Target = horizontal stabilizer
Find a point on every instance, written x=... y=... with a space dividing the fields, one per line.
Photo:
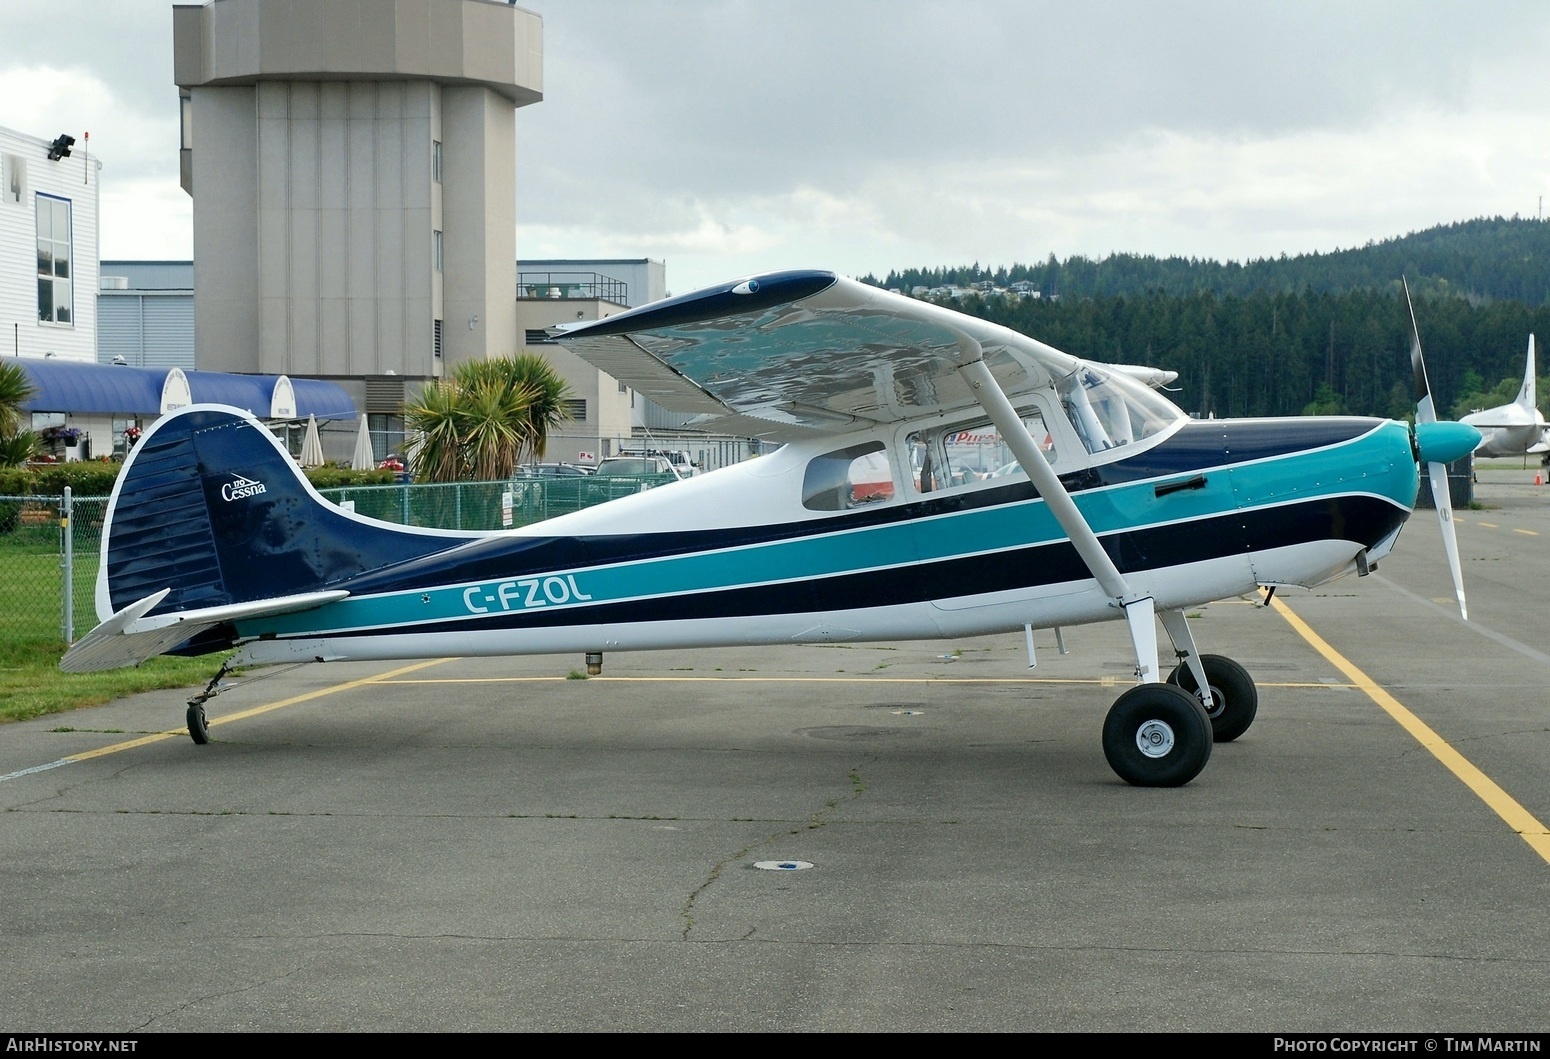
x=129 y=637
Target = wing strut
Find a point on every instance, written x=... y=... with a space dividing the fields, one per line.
x=1139 y=609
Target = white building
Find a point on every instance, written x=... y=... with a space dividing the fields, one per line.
x=563 y=290
x=48 y=247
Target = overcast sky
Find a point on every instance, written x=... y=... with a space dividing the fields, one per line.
x=727 y=137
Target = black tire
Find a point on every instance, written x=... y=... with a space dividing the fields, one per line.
x=1157 y=735
x=1234 y=698
x=197 y=728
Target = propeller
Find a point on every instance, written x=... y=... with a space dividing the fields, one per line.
x=1437 y=445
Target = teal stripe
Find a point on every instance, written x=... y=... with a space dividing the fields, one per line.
x=1366 y=464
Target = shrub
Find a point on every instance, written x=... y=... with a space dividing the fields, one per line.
x=85 y=478
x=338 y=477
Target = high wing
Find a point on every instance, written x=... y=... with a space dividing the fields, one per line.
x=791 y=354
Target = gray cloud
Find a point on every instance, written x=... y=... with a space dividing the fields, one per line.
x=728 y=136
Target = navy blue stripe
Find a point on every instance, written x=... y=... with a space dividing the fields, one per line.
x=1205 y=443
x=1361 y=519
x=281 y=540
x=1197 y=446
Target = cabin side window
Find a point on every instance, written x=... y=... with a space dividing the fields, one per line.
x=847 y=478
x=966 y=453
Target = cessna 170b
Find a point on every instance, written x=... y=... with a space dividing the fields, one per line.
x=865 y=525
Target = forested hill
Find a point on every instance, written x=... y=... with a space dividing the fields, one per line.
x=1481 y=260
x=1314 y=333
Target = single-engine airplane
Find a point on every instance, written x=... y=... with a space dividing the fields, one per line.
x=1516 y=429
x=865 y=525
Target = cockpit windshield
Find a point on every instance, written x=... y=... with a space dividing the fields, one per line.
x=1110 y=409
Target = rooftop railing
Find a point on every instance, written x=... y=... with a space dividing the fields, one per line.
x=587 y=285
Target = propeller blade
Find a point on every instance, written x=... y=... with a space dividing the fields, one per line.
x=1445 y=440
x=1424 y=410
x=1438 y=472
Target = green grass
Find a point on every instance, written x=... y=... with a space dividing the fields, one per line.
x=31 y=684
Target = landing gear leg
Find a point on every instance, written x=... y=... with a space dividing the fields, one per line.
x=198 y=726
x=1223 y=686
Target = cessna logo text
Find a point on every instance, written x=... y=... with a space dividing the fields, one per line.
x=242 y=487
x=523 y=594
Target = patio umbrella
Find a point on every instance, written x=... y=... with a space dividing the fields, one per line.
x=311 y=445
x=364 y=459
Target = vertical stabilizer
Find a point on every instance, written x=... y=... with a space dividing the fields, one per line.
x=1526 y=397
x=212 y=508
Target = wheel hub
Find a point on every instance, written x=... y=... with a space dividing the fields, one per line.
x=1154 y=738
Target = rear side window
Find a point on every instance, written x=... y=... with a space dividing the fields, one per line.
x=847 y=478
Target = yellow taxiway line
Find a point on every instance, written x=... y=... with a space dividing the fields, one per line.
x=1519 y=819
x=156 y=737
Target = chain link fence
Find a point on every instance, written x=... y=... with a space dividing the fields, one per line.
x=48 y=565
x=49 y=545
x=487 y=505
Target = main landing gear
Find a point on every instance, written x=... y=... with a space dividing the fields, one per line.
x=1161 y=734
x=1234 y=698
x=1157 y=735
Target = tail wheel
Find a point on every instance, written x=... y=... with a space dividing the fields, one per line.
x=1234 y=698
x=1157 y=735
x=198 y=729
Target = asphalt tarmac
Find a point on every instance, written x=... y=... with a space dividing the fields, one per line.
x=889 y=837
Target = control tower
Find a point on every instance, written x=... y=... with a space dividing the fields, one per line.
x=353 y=170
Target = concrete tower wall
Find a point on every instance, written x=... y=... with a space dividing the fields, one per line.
x=324 y=242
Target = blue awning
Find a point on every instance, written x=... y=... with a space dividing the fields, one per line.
x=82 y=387
x=251 y=393
x=323 y=399
x=78 y=386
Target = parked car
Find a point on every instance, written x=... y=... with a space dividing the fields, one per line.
x=682 y=464
x=636 y=466
x=552 y=470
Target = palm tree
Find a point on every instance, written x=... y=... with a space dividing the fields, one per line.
x=479 y=424
x=17 y=446
x=548 y=407
x=435 y=452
